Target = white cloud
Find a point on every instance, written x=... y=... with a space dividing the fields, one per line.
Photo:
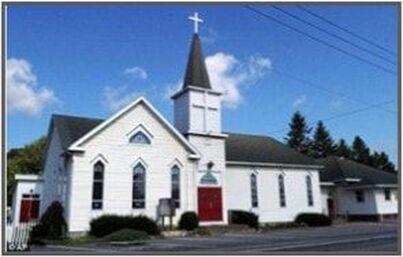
x=299 y=101
x=23 y=94
x=116 y=98
x=136 y=72
x=228 y=75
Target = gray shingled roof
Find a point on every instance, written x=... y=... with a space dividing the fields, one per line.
x=264 y=149
x=337 y=168
x=71 y=128
x=196 y=72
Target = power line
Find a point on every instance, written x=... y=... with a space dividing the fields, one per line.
x=346 y=30
x=333 y=35
x=322 y=88
x=320 y=41
x=344 y=114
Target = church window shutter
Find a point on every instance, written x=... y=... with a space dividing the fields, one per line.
x=139 y=187
x=175 y=185
x=98 y=185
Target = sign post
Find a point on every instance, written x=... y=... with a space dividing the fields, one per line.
x=166 y=207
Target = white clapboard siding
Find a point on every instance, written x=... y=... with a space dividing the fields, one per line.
x=238 y=192
x=119 y=156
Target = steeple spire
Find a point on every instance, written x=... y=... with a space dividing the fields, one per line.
x=196 y=72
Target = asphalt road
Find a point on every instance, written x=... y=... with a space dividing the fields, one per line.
x=358 y=238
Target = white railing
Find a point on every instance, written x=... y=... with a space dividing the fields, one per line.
x=18 y=235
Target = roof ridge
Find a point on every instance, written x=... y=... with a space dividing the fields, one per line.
x=75 y=116
x=245 y=134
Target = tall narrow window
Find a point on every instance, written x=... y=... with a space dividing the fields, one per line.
x=98 y=185
x=140 y=138
x=139 y=186
x=309 y=190
x=253 y=187
x=387 y=194
x=175 y=185
x=281 y=190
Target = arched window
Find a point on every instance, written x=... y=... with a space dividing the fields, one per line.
x=98 y=185
x=281 y=190
x=140 y=138
x=175 y=185
x=139 y=187
x=253 y=187
x=309 y=190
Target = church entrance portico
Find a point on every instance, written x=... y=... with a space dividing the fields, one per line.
x=210 y=203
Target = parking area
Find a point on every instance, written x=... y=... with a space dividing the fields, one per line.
x=342 y=238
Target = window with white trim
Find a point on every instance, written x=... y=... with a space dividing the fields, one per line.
x=253 y=188
x=175 y=185
x=139 y=187
x=140 y=138
x=98 y=186
x=281 y=190
x=309 y=190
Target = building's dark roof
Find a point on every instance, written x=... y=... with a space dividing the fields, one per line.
x=71 y=128
x=337 y=169
x=239 y=147
x=262 y=149
x=196 y=72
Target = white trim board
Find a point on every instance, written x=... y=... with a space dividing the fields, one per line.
x=76 y=146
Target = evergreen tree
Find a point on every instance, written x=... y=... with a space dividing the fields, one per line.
x=381 y=161
x=322 y=144
x=360 y=151
x=342 y=149
x=298 y=136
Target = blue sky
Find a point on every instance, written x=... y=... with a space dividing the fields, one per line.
x=90 y=60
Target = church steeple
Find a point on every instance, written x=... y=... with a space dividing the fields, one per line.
x=197 y=107
x=196 y=73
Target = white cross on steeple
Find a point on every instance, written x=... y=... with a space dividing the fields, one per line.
x=196 y=20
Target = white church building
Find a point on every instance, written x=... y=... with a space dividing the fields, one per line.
x=126 y=163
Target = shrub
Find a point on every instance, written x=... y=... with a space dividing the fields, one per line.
x=188 y=221
x=37 y=233
x=280 y=225
x=108 y=224
x=244 y=217
x=313 y=219
x=126 y=234
x=51 y=225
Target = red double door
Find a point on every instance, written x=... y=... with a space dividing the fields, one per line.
x=209 y=204
x=29 y=210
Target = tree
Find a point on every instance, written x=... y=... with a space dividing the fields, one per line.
x=298 y=136
x=322 y=144
x=342 y=149
x=381 y=161
x=360 y=151
x=26 y=160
